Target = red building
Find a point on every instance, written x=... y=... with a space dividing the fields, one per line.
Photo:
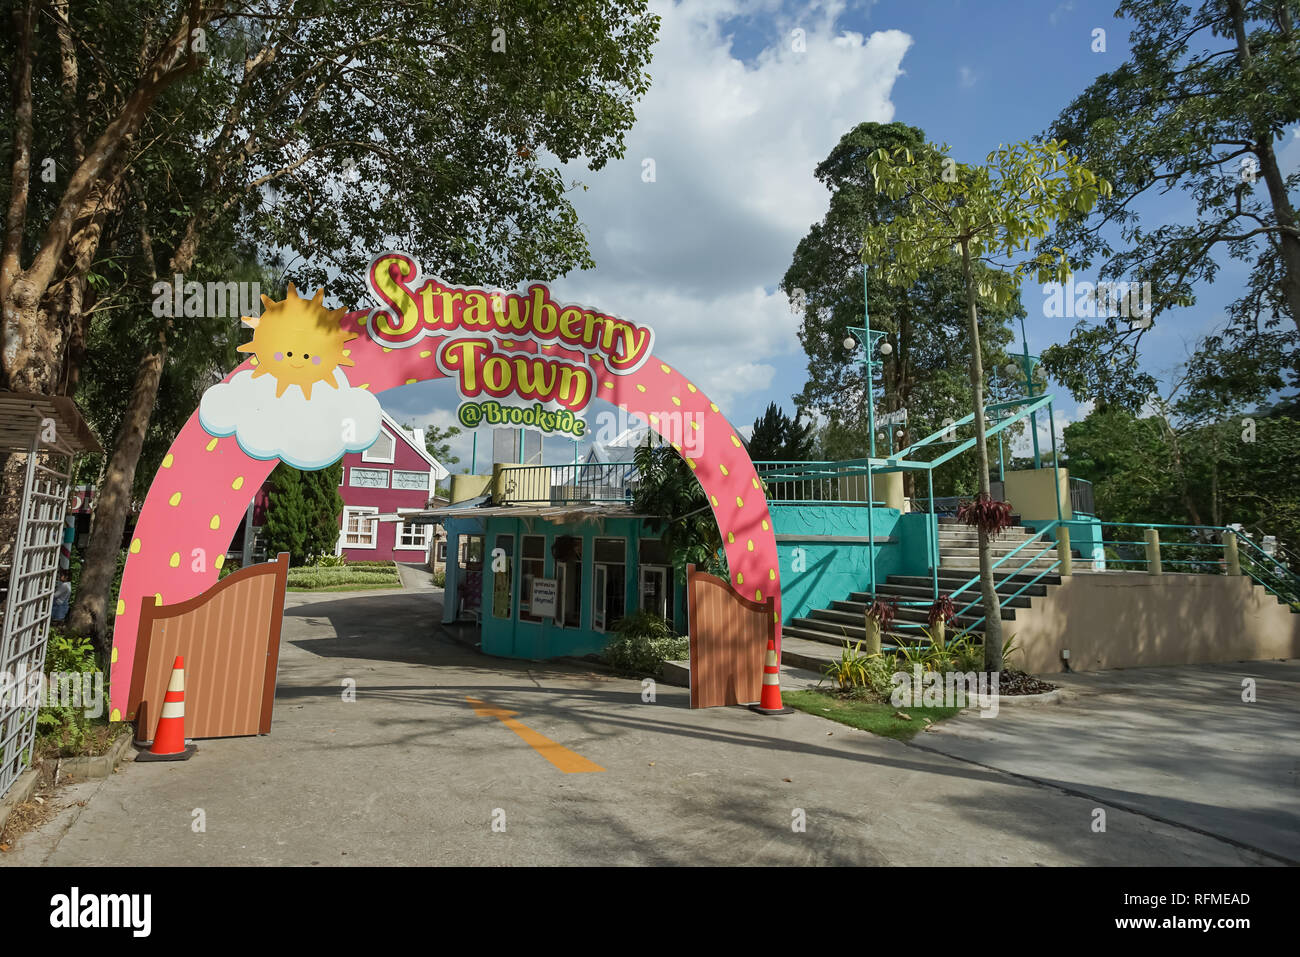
x=395 y=474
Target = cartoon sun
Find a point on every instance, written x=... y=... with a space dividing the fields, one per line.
x=298 y=341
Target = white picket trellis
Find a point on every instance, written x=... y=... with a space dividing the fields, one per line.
x=29 y=566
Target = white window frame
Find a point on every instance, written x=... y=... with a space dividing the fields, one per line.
x=355 y=470
x=598 y=596
x=397 y=538
x=644 y=572
x=392 y=439
x=343 y=476
x=343 y=530
x=392 y=480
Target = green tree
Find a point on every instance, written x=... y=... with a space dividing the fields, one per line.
x=667 y=489
x=985 y=215
x=323 y=505
x=287 y=515
x=925 y=320
x=1198 y=107
x=777 y=437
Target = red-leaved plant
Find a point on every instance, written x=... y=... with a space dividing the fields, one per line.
x=883 y=612
x=942 y=610
x=990 y=517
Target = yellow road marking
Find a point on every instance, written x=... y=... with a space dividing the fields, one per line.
x=560 y=756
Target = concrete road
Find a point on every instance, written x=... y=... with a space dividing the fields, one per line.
x=411 y=772
x=1175 y=744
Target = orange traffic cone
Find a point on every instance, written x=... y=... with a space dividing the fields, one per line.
x=169 y=740
x=770 y=702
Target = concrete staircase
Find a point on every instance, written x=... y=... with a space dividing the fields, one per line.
x=823 y=632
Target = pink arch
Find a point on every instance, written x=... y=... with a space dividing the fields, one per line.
x=206 y=483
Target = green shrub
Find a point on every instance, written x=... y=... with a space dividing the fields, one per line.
x=64 y=727
x=868 y=675
x=331 y=561
x=641 y=642
x=440 y=578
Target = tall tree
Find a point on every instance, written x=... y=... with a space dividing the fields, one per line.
x=778 y=437
x=287 y=515
x=1199 y=107
x=668 y=490
x=323 y=505
x=985 y=214
x=925 y=320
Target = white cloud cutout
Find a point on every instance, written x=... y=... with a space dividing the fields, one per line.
x=307 y=434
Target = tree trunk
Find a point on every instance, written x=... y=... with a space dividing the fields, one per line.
x=89 y=614
x=1283 y=212
x=992 y=607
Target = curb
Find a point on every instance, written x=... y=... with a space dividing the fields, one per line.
x=84 y=768
x=20 y=793
x=1046 y=697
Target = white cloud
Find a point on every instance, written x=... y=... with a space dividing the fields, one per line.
x=966 y=77
x=1056 y=15
x=695 y=252
x=308 y=434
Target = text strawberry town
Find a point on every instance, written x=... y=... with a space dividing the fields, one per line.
x=483 y=330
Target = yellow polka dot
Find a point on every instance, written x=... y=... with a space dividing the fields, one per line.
x=362 y=321
x=751 y=544
x=758 y=594
x=364 y=385
x=157 y=598
x=113 y=660
x=735 y=441
x=755 y=482
x=654 y=418
x=212 y=445
x=115 y=716
x=771 y=574
x=691 y=463
x=740 y=502
x=412 y=381
x=175 y=499
x=676 y=401
x=609 y=385
x=694 y=424
x=238 y=483
x=215 y=523
x=221 y=560
x=175 y=560
x=730 y=537
x=168 y=459
x=640 y=387
x=740 y=578
x=765 y=525
x=714 y=501
x=386 y=349
x=348 y=352
x=121 y=610
x=425 y=354
x=713 y=406
x=253 y=361
x=665 y=368
x=723 y=469
x=135 y=546
x=691 y=387
x=508 y=343
x=677 y=447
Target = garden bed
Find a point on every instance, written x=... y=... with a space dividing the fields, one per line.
x=866 y=713
x=353 y=576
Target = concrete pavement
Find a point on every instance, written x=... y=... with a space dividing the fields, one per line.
x=409 y=773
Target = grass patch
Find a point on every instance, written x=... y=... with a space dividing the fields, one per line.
x=867 y=715
x=349 y=577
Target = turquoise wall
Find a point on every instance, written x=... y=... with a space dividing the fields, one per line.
x=816 y=571
x=1085 y=538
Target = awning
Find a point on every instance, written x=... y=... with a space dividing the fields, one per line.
x=22 y=415
x=576 y=512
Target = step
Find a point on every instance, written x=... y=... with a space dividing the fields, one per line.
x=807 y=630
x=959 y=563
x=837 y=618
x=859 y=600
x=949 y=582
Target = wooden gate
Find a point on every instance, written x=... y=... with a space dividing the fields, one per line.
x=230 y=637
x=729 y=634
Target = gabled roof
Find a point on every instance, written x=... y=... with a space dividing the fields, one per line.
x=416 y=442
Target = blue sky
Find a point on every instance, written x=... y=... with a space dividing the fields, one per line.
x=736 y=120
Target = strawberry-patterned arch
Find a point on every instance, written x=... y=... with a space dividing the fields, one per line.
x=203 y=488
